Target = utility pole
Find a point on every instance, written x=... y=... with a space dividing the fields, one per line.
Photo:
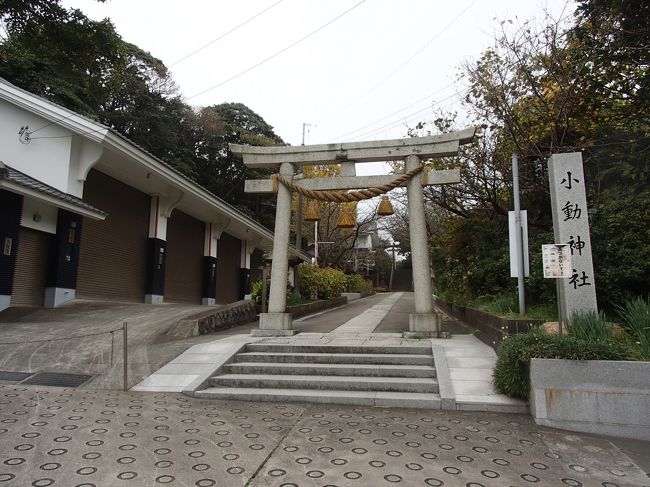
x=296 y=273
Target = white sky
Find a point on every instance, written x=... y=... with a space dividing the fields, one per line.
x=330 y=80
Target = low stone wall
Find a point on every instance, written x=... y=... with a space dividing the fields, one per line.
x=351 y=296
x=299 y=310
x=593 y=396
x=212 y=320
x=492 y=329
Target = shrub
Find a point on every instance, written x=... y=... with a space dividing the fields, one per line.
x=635 y=313
x=512 y=368
x=256 y=292
x=589 y=326
x=356 y=284
x=321 y=283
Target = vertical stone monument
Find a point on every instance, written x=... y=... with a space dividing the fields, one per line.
x=571 y=226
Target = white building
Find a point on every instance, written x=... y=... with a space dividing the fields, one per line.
x=85 y=213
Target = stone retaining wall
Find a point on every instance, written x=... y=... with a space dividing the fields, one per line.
x=492 y=329
x=228 y=316
x=298 y=310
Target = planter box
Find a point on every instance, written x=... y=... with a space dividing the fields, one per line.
x=592 y=396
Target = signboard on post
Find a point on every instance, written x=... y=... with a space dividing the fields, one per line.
x=556 y=259
x=571 y=227
x=513 y=242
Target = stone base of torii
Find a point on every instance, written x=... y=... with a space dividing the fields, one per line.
x=424 y=321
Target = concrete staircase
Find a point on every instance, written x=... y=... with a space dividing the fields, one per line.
x=387 y=376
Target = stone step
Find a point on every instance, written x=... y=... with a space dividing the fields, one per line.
x=357 y=349
x=345 y=383
x=366 y=370
x=328 y=358
x=355 y=398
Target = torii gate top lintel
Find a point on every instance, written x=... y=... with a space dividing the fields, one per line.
x=443 y=145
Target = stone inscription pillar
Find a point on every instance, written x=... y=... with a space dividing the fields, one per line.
x=424 y=320
x=571 y=226
x=277 y=321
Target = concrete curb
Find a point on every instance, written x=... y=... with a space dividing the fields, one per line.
x=445 y=387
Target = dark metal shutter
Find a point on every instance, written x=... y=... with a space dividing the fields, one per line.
x=228 y=261
x=183 y=273
x=257 y=260
x=113 y=252
x=31 y=264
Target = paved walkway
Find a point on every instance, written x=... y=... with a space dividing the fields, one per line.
x=53 y=436
x=368 y=320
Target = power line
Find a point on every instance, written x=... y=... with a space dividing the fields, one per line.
x=397 y=122
x=225 y=34
x=223 y=82
x=396 y=70
x=276 y=54
x=395 y=112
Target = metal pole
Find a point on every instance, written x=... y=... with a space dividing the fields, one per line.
x=296 y=273
x=125 y=342
x=316 y=242
x=296 y=270
x=518 y=236
x=392 y=269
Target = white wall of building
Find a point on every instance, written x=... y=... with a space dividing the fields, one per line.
x=39 y=216
x=46 y=159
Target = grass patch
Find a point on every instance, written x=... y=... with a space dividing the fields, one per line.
x=590 y=326
x=635 y=313
x=507 y=306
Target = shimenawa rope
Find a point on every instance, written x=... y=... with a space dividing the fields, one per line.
x=346 y=196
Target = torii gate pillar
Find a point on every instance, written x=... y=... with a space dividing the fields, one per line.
x=425 y=321
x=277 y=322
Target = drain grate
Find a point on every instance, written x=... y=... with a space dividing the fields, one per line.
x=15 y=376
x=57 y=379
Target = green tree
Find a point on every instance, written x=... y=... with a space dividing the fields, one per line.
x=538 y=91
x=85 y=66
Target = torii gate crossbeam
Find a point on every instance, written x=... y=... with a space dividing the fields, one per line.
x=424 y=321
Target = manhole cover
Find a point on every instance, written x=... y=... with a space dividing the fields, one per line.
x=14 y=376
x=56 y=379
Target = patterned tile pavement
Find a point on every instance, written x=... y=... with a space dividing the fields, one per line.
x=85 y=438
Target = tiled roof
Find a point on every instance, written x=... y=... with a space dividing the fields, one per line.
x=10 y=174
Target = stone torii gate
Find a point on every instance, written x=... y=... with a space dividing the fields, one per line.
x=424 y=321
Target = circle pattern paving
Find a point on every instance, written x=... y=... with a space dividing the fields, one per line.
x=436 y=448
x=84 y=438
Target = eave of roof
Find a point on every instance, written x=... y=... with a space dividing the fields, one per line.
x=18 y=182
